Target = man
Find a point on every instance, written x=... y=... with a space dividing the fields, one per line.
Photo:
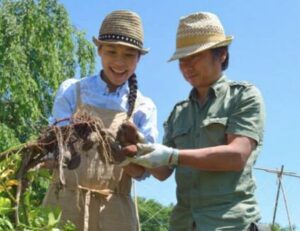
x=212 y=139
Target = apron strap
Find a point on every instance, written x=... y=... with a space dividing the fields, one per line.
x=78 y=96
x=107 y=193
x=86 y=215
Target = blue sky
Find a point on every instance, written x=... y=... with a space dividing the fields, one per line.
x=265 y=52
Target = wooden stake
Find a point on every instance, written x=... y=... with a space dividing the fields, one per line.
x=279 y=175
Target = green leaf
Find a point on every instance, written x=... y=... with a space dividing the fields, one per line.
x=5 y=205
x=39 y=48
x=5 y=224
x=51 y=219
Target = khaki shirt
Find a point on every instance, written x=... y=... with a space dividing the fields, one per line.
x=216 y=200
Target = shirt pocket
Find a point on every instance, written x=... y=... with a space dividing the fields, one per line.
x=214 y=130
x=180 y=137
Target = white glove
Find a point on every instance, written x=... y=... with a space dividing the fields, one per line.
x=155 y=155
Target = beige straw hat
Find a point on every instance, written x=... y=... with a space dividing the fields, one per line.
x=198 y=32
x=122 y=27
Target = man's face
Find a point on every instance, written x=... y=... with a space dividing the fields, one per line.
x=201 y=69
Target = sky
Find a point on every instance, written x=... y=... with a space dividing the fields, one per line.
x=265 y=51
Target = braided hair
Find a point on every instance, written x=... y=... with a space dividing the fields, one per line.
x=132 y=83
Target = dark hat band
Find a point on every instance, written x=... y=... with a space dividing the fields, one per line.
x=122 y=38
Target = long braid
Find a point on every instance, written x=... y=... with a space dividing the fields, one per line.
x=132 y=83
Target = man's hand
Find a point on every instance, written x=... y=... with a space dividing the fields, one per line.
x=155 y=155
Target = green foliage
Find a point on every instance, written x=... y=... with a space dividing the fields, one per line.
x=7 y=137
x=5 y=205
x=39 y=48
x=277 y=227
x=153 y=215
x=31 y=215
x=5 y=224
x=41 y=219
x=7 y=174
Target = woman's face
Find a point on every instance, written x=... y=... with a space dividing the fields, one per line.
x=119 y=63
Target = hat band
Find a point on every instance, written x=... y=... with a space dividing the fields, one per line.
x=198 y=39
x=122 y=38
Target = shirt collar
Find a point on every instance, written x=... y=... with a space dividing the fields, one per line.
x=218 y=88
x=121 y=90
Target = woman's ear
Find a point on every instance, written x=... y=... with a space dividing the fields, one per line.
x=99 y=50
x=139 y=57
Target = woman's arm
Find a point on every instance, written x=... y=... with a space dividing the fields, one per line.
x=133 y=170
x=161 y=173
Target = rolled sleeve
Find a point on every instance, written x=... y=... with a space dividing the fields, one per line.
x=143 y=177
x=145 y=118
x=248 y=116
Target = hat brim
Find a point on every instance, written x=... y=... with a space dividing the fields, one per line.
x=191 y=50
x=98 y=42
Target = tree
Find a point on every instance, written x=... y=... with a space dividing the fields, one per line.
x=39 y=48
x=277 y=227
x=153 y=215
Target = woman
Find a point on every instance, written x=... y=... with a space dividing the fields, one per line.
x=97 y=197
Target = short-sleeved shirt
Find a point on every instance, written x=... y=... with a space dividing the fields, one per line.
x=216 y=200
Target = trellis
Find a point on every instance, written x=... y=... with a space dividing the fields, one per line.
x=280 y=173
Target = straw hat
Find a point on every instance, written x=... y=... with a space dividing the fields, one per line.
x=198 y=32
x=122 y=27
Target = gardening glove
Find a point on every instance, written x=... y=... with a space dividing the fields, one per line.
x=155 y=155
